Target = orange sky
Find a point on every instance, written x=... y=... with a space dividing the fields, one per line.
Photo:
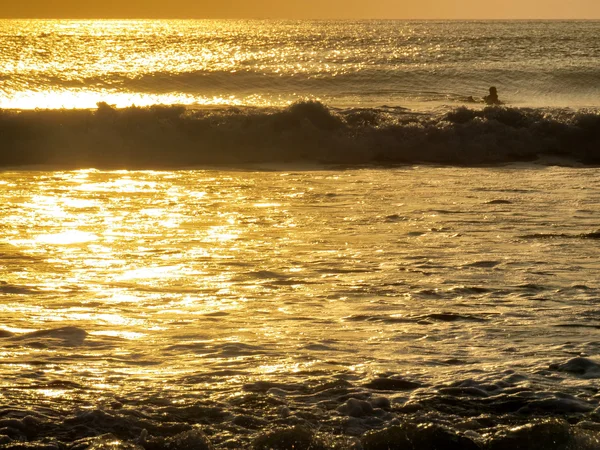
x=303 y=9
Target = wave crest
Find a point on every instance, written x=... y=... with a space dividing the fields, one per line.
x=171 y=136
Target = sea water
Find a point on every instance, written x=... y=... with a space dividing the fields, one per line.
x=290 y=274
x=338 y=301
x=205 y=92
x=69 y=63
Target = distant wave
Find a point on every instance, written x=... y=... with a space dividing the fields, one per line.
x=400 y=82
x=171 y=136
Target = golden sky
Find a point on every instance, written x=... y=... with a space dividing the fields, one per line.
x=304 y=9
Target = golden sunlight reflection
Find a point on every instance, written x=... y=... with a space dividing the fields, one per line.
x=122 y=184
x=266 y=205
x=129 y=335
x=69 y=99
x=79 y=203
x=162 y=272
x=17 y=330
x=140 y=257
x=104 y=318
x=46 y=205
x=66 y=238
x=119 y=297
x=222 y=233
x=154 y=212
x=284 y=367
x=54 y=393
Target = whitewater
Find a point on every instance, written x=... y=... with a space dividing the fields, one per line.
x=299 y=235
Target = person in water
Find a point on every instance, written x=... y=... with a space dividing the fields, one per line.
x=492 y=99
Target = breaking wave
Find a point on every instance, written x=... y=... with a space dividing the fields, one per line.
x=171 y=136
x=386 y=413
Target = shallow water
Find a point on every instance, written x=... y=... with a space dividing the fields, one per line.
x=341 y=301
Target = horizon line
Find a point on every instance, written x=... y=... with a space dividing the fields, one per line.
x=301 y=19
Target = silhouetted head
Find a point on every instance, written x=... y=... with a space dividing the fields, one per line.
x=493 y=90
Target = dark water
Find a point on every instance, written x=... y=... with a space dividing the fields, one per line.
x=309 y=132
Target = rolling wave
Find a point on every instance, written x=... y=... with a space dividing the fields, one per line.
x=445 y=84
x=173 y=136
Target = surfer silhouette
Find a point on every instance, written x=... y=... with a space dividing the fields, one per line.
x=492 y=99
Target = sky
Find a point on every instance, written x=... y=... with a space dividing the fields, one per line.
x=303 y=9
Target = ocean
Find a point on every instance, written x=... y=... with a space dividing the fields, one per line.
x=299 y=235
x=423 y=65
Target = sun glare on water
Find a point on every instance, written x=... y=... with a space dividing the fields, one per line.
x=76 y=64
x=114 y=230
x=66 y=237
x=54 y=99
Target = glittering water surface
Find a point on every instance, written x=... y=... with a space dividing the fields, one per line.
x=189 y=285
x=416 y=307
x=75 y=64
